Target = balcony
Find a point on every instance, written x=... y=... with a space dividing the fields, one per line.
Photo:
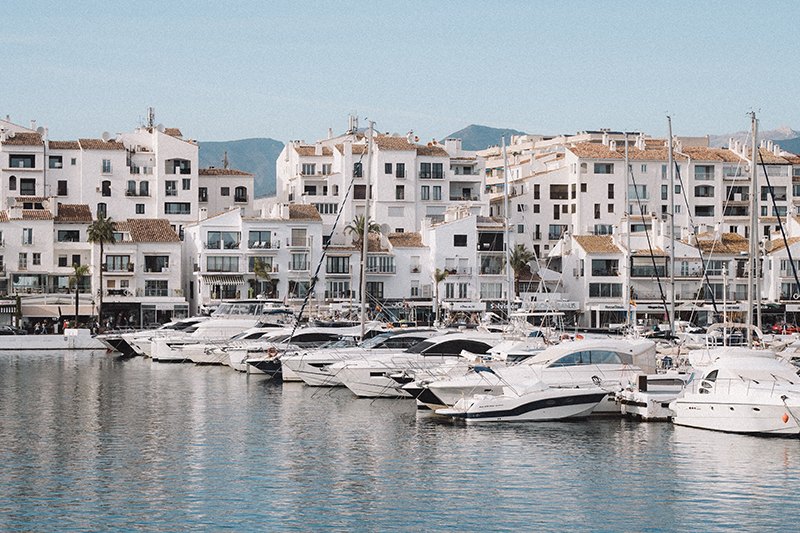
x=118 y=269
x=264 y=245
x=221 y=246
x=340 y=295
x=460 y=271
x=119 y=292
x=339 y=272
x=464 y=198
x=240 y=199
x=489 y=271
x=608 y=272
x=299 y=242
x=414 y=269
x=297 y=267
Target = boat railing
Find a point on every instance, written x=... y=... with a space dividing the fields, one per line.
x=741 y=385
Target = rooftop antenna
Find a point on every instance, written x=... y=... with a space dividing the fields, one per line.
x=225 y=159
x=151 y=117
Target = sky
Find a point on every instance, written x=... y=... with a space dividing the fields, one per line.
x=231 y=70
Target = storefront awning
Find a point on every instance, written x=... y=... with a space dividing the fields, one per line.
x=223 y=279
x=55 y=311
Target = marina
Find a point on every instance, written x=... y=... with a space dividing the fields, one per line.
x=102 y=442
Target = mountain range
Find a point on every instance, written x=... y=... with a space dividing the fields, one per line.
x=259 y=155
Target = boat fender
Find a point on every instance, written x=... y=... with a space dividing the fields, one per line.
x=785 y=418
x=272 y=352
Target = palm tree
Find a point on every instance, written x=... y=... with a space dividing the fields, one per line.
x=261 y=272
x=356 y=227
x=101 y=231
x=79 y=272
x=519 y=259
x=438 y=277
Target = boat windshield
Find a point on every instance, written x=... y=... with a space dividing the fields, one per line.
x=238 y=309
x=375 y=341
x=421 y=347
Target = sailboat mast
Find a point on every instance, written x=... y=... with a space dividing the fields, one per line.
x=507 y=236
x=628 y=258
x=671 y=196
x=365 y=237
x=752 y=277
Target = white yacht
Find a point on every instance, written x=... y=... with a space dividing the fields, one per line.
x=313 y=366
x=533 y=402
x=228 y=320
x=649 y=399
x=611 y=363
x=140 y=341
x=742 y=391
x=372 y=377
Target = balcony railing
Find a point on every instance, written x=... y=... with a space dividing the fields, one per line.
x=240 y=199
x=340 y=295
x=129 y=267
x=606 y=272
x=264 y=245
x=463 y=198
x=298 y=267
x=299 y=242
x=460 y=271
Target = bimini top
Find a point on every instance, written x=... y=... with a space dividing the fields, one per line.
x=631 y=352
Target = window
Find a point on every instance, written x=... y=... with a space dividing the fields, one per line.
x=225 y=191
x=326 y=169
x=605 y=290
x=596 y=211
x=72 y=235
x=156 y=287
x=704 y=172
x=102 y=210
x=227 y=240
x=118 y=263
x=171 y=188
x=76 y=259
x=299 y=261
x=704 y=191
x=358 y=169
x=704 y=210
x=644 y=169
x=605 y=267
x=637 y=192
x=337 y=265
x=521 y=208
x=73 y=161
x=535 y=208
x=106 y=166
x=556 y=212
x=298 y=289
x=27 y=187
x=61 y=189
x=27 y=235
x=437 y=171
x=309 y=169
x=437 y=192
x=266 y=263
x=778 y=192
x=337 y=289
x=425 y=192
x=186 y=184
x=400 y=170
x=22 y=161
x=604 y=168
x=240 y=194
x=665 y=192
x=459 y=240
x=399 y=192
x=491 y=291
x=177 y=208
x=520 y=228
x=603 y=229
x=144 y=188
x=202 y=194
x=555 y=231
x=536 y=191
x=387 y=168
x=559 y=192
x=259 y=239
x=37 y=258
x=583 y=187
x=424 y=170
x=12 y=183
x=573 y=192
x=327 y=208
x=55 y=161
x=140 y=209
x=222 y=263
x=23 y=261
x=610 y=208
x=62 y=260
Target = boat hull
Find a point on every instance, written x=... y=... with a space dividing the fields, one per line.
x=749 y=418
x=541 y=406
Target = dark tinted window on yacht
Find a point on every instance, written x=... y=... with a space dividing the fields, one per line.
x=592 y=357
x=402 y=342
x=712 y=376
x=421 y=347
x=314 y=337
x=604 y=357
x=455 y=347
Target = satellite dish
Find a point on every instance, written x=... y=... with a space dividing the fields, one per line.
x=105 y=136
x=40 y=130
x=160 y=127
x=385 y=229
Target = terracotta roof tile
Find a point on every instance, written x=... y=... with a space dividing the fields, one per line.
x=173 y=132
x=36 y=214
x=24 y=139
x=770 y=158
x=432 y=151
x=303 y=212
x=358 y=149
x=601 y=151
x=776 y=245
x=64 y=145
x=394 y=143
x=122 y=225
x=702 y=153
x=34 y=199
x=100 y=144
x=657 y=252
x=151 y=230
x=212 y=171
x=306 y=150
x=406 y=240
x=597 y=244
x=4 y=216
x=727 y=243
x=74 y=213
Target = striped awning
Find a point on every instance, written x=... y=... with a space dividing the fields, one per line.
x=223 y=279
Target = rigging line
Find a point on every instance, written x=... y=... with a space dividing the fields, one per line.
x=649 y=244
x=325 y=246
x=780 y=224
x=697 y=243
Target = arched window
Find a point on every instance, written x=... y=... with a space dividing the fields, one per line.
x=102 y=210
x=12 y=183
x=240 y=194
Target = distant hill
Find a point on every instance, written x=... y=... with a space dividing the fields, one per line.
x=790 y=145
x=251 y=155
x=476 y=137
x=780 y=134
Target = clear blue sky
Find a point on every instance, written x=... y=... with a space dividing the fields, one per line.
x=229 y=70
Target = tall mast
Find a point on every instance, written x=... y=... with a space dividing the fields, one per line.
x=628 y=258
x=365 y=237
x=752 y=277
x=507 y=234
x=671 y=196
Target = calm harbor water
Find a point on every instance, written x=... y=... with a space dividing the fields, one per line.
x=92 y=442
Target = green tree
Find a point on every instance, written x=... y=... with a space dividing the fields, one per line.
x=101 y=232
x=519 y=259
x=356 y=228
x=261 y=272
x=438 y=277
x=78 y=273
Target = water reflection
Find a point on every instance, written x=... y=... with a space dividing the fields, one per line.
x=90 y=440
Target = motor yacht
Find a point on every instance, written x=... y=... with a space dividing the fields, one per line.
x=649 y=399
